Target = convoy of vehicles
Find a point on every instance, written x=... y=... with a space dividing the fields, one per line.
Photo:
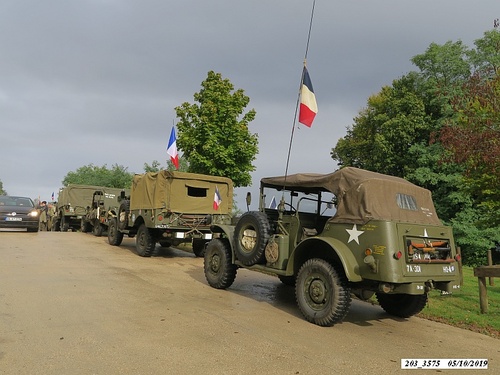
x=329 y=235
x=171 y=208
x=384 y=238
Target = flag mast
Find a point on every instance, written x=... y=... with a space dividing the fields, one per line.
x=305 y=75
x=304 y=71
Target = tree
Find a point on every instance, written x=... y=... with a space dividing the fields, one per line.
x=486 y=56
x=156 y=166
x=116 y=177
x=473 y=139
x=444 y=64
x=383 y=133
x=214 y=134
x=2 y=191
x=444 y=120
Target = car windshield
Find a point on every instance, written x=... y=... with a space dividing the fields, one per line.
x=16 y=201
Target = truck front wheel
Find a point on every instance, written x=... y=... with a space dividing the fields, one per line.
x=144 y=242
x=402 y=305
x=64 y=224
x=97 y=229
x=84 y=226
x=115 y=237
x=220 y=272
x=322 y=293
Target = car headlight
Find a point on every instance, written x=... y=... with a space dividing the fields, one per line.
x=33 y=214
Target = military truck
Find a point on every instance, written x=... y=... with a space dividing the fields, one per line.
x=171 y=208
x=71 y=206
x=332 y=235
x=104 y=205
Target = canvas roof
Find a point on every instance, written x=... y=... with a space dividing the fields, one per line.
x=364 y=195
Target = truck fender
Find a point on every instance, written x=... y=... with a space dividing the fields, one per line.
x=226 y=231
x=343 y=253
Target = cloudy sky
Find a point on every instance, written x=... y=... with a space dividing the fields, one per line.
x=96 y=81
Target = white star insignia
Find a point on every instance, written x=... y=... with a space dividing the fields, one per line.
x=354 y=234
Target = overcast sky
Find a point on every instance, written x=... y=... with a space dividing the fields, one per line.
x=96 y=81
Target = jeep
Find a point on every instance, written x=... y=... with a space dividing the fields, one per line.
x=332 y=235
x=171 y=208
x=104 y=206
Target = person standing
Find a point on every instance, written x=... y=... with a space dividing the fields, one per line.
x=43 y=216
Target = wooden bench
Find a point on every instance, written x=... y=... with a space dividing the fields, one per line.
x=482 y=273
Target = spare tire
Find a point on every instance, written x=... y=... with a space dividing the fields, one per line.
x=123 y=214
x=250 y=237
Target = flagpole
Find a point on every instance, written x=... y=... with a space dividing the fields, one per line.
x=298 y=96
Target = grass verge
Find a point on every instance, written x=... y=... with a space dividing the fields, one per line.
x=461 y=309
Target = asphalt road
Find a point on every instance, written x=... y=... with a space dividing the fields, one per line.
x=72 y=304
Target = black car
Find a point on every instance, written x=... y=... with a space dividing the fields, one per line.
x=18 y=212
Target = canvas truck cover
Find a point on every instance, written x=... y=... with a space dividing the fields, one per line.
x=364 y=195
x=78 y=196
x=182 y=192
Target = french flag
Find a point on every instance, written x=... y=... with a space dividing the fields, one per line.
x=308 y=105
x=217 y=199
x=172 y=148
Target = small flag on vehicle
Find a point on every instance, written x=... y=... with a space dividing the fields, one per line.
x=273 y=204
x=172 y=148
x=217 y=199
x=308 y=105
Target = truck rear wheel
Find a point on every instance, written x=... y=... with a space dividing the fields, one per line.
x=115 y=237
x=251 y=235
x=220 y=271
x=144 y=242
x=322 y=293
x=402 y=305
x=199 y=247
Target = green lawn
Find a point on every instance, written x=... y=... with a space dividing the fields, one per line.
x=461 y=309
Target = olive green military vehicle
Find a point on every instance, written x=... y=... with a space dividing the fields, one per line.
x=171 y=208
x=333 y=235
x=104 y=206
x=71 y=206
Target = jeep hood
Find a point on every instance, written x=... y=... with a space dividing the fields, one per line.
x=364 y=195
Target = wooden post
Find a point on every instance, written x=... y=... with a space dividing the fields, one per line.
x=490 y=263
x=483 y=296
x=482 y=273
x=459 y=252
